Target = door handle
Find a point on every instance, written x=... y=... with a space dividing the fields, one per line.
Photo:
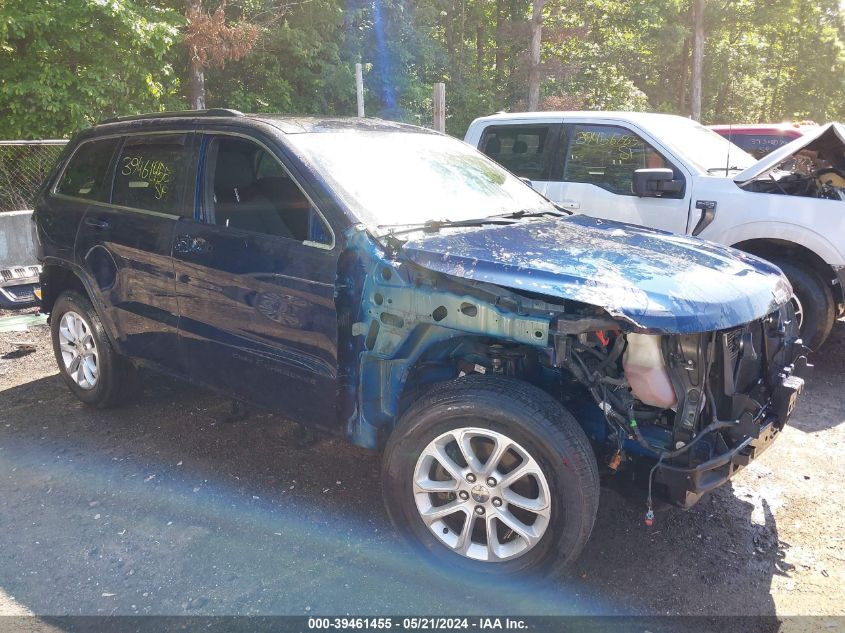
x=570 y=204
x=97 y=223
x=186 y=244
x=708 y=214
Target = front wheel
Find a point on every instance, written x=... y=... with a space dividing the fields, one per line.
x=813 y=302
x=493 y=475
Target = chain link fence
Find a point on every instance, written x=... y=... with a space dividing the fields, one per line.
x=23 y=167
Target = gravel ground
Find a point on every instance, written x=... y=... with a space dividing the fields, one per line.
x=166 y=507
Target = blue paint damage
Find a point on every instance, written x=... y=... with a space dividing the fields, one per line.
x=657 y=282
x=418 y=309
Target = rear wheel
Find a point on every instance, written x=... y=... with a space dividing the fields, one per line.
x=814 y=304
x=90 y=367
x=492 y=475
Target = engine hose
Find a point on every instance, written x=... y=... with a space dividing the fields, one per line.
x=614 y=354
x=714 y=426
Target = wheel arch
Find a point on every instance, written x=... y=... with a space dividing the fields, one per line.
x=58 y=277
x=444 y=359
x=774 y=248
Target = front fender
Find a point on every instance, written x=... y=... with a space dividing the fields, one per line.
x=400 y=318
x=787 y=232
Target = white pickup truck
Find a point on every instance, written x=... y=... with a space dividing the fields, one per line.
x=671 y=173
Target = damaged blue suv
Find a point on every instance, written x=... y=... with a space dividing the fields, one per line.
x=395 y=286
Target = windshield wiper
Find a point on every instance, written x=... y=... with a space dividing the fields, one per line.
x=434 y=226
x=526 y=213
x=725 y=169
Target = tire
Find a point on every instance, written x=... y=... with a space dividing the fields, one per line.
x=106 y=381
x=487 y=409
x=816 y=302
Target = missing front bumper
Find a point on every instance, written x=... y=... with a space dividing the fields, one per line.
x=685 y=485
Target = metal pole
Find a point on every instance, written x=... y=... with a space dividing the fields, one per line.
x=439 y=105
x=359 y=88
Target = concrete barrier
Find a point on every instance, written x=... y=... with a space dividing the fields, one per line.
x=17 y=247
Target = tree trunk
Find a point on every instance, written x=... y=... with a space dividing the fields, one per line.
x=196 y=88
x=683 y=69
x=500 y=43
x=196 y=80
x=479 y=50
x=697 y=58
x=534 y=51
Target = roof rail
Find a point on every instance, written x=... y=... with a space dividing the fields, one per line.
x=173 y=114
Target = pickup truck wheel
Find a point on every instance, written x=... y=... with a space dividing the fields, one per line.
x=815 y=305
x=87 y=363
x=492 y=475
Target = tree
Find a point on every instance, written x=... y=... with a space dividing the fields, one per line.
x=534 y=62
x=65 y=64
x=697 y=58
x=211 y=43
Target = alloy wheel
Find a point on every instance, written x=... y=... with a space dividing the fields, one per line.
x=79 y=350
x=482 y=494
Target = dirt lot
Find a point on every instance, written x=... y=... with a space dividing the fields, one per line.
x=165 y=507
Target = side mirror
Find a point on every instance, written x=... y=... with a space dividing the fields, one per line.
x=656 y=182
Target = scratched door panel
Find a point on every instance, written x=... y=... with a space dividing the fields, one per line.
x=258 y=318
x=125 y=244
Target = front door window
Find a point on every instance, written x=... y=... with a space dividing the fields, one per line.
x=248 y=189
x=607 y=156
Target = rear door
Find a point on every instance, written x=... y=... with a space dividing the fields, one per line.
x=529 y=150
x=124 y=245
x=598 y=163
x=255 y=276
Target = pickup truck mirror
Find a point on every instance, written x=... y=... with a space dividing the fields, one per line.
x=656 y=182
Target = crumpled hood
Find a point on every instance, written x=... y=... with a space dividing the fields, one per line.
x=657 y=281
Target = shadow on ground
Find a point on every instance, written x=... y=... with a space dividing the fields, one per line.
x=163 y=507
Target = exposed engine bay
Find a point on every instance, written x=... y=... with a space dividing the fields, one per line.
x=700 y=406
x=816 y=171
x=689 y=400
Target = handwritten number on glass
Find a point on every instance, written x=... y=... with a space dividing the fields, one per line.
x=153 y=171
x=624 y=144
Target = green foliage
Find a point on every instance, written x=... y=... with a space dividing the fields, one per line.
x=296 y=66
x=67 y=63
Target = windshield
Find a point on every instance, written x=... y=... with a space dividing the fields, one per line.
x=703 y=147
x=390 y=178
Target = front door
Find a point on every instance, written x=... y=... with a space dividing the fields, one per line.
x=255 y=277
x=124 y=245
x=598 y=173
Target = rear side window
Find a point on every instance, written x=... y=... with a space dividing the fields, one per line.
x=607 y=156
x=153 y=173
x=525 y=150
x=86 y=175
